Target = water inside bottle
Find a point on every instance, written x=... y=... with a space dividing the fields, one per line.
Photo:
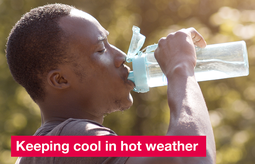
x=206 y=69
x=217 y=69
x=155 y=76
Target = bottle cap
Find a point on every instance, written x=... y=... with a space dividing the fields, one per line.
x=139 y=74
x=136 y=44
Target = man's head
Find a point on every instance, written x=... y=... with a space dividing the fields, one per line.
x=35 y=46
x=70 y=63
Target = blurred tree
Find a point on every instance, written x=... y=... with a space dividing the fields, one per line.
x=231 y=102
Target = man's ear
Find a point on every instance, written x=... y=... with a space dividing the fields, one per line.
x=57 y=80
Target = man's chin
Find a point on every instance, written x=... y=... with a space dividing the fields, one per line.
x=121 y=105
x=127 y=104
x=130 y=99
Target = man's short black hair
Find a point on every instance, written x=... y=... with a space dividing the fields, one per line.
x=36 y=45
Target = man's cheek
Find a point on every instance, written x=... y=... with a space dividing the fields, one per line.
x=105 y=60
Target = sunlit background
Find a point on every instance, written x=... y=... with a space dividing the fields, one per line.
x=231 y=102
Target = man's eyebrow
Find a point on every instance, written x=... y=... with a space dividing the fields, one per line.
x=103 y=37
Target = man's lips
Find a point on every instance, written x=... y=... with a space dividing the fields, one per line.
x=130 y=82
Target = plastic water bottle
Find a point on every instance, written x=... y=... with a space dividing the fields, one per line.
x=216 y=61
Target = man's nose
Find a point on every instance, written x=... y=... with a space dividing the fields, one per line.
x=119 y=57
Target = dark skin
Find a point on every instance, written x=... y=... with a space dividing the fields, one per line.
x=102 y=86
x=188 y=115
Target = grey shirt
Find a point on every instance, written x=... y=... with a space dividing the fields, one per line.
x=73 y=127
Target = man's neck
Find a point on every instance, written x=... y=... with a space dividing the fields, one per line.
x=52 y=113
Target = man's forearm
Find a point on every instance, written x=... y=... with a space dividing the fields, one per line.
x=188 y=111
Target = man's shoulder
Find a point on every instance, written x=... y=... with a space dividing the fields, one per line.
x=82 y=127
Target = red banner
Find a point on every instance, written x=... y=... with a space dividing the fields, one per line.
x=108 y=146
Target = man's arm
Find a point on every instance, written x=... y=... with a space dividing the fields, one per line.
x=188 y=112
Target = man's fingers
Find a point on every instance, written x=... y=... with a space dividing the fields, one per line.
x=197 y=38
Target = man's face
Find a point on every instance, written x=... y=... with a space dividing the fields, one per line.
x=98 y=74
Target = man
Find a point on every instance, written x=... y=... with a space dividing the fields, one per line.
x=63 y=59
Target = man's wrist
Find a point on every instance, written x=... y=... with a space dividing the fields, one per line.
x=181 y=70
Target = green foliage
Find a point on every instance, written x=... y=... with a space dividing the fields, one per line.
x=230 y=102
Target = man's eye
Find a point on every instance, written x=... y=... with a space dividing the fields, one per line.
x=101 y=51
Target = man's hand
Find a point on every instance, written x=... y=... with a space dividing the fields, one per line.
x=177 y=49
